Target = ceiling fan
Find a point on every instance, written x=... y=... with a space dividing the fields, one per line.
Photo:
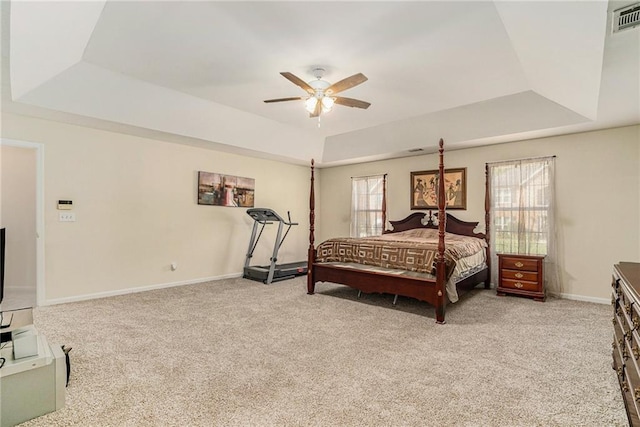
x=321 y=93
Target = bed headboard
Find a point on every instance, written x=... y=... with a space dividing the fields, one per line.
x=453 y=224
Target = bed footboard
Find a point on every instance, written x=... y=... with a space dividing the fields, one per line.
x=370 y=282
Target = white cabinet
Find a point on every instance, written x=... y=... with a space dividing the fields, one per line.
x=32 y=386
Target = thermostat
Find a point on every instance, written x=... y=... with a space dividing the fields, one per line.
x=65 y=204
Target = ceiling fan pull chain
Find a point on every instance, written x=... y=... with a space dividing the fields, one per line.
x=319 y=121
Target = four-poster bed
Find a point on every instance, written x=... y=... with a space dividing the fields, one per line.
x=415 y=259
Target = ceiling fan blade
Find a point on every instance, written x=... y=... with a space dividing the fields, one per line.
x=298 y=81
x=296 y=98
x=350 y=102
x=317 y=110
x=345 y=84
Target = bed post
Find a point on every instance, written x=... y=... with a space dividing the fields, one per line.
x=441 y=298
x=384 y=203
x=311 y=282
x=487 y=222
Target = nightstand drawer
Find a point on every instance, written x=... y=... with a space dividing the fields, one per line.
x=520 y=264
x=530 y=276
x=522 y=285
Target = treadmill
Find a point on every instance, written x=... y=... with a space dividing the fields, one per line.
x=273 y=272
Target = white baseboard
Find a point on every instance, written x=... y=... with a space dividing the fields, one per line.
x=575 y=297
x=586 y=299
x=138 y=289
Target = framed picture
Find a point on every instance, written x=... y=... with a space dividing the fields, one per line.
x=424 y=189
x=225 y=190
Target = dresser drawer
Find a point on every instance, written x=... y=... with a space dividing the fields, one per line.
x=522 y=285
x=530 y=276
x=515 y=263
x=615 y=282
x=630 y=394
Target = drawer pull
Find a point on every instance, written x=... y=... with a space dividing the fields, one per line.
x=636 y=353
x=520 y=276
x=636 y=323
x=636 y=394
x=627 y=335
x=627 y=308
x=519 y=264
x=518 y=285
x=625 y=353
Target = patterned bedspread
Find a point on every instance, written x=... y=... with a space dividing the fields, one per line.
x=412 y=250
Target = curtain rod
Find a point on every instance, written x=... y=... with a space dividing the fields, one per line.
x=519 y=160
x=369 y=176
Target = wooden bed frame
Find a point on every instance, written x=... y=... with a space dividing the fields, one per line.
x=421 y=288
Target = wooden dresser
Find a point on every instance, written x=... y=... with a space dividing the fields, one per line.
x=626 y=338
x=521 y=275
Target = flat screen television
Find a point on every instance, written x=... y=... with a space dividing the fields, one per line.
x=3 y=239
x=6 y=336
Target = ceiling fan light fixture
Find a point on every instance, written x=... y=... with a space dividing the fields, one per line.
x=310 y=104
x=327 y=103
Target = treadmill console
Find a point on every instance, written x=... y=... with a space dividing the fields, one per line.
x=264 y=214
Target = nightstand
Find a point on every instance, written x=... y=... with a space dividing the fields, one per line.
x=521 y=275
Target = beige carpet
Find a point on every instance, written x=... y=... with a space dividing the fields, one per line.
x=240 y=353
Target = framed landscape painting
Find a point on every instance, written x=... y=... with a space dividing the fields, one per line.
x=225 y=190
x=424 y=189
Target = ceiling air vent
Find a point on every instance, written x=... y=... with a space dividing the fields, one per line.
x=626 y=18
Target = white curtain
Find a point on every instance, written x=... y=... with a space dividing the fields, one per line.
x=366 y=206
x=523 y=217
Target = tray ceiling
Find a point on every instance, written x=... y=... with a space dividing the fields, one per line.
x=477 y=72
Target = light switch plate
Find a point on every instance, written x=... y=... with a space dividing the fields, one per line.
x=67 y=217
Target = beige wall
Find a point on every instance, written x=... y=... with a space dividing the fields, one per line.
x=135 y=202
x=18 y=213
x=598 y=191
x=137 y=212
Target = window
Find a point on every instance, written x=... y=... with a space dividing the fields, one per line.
x=366 y=206
x=522 y=209
x=503 y=197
